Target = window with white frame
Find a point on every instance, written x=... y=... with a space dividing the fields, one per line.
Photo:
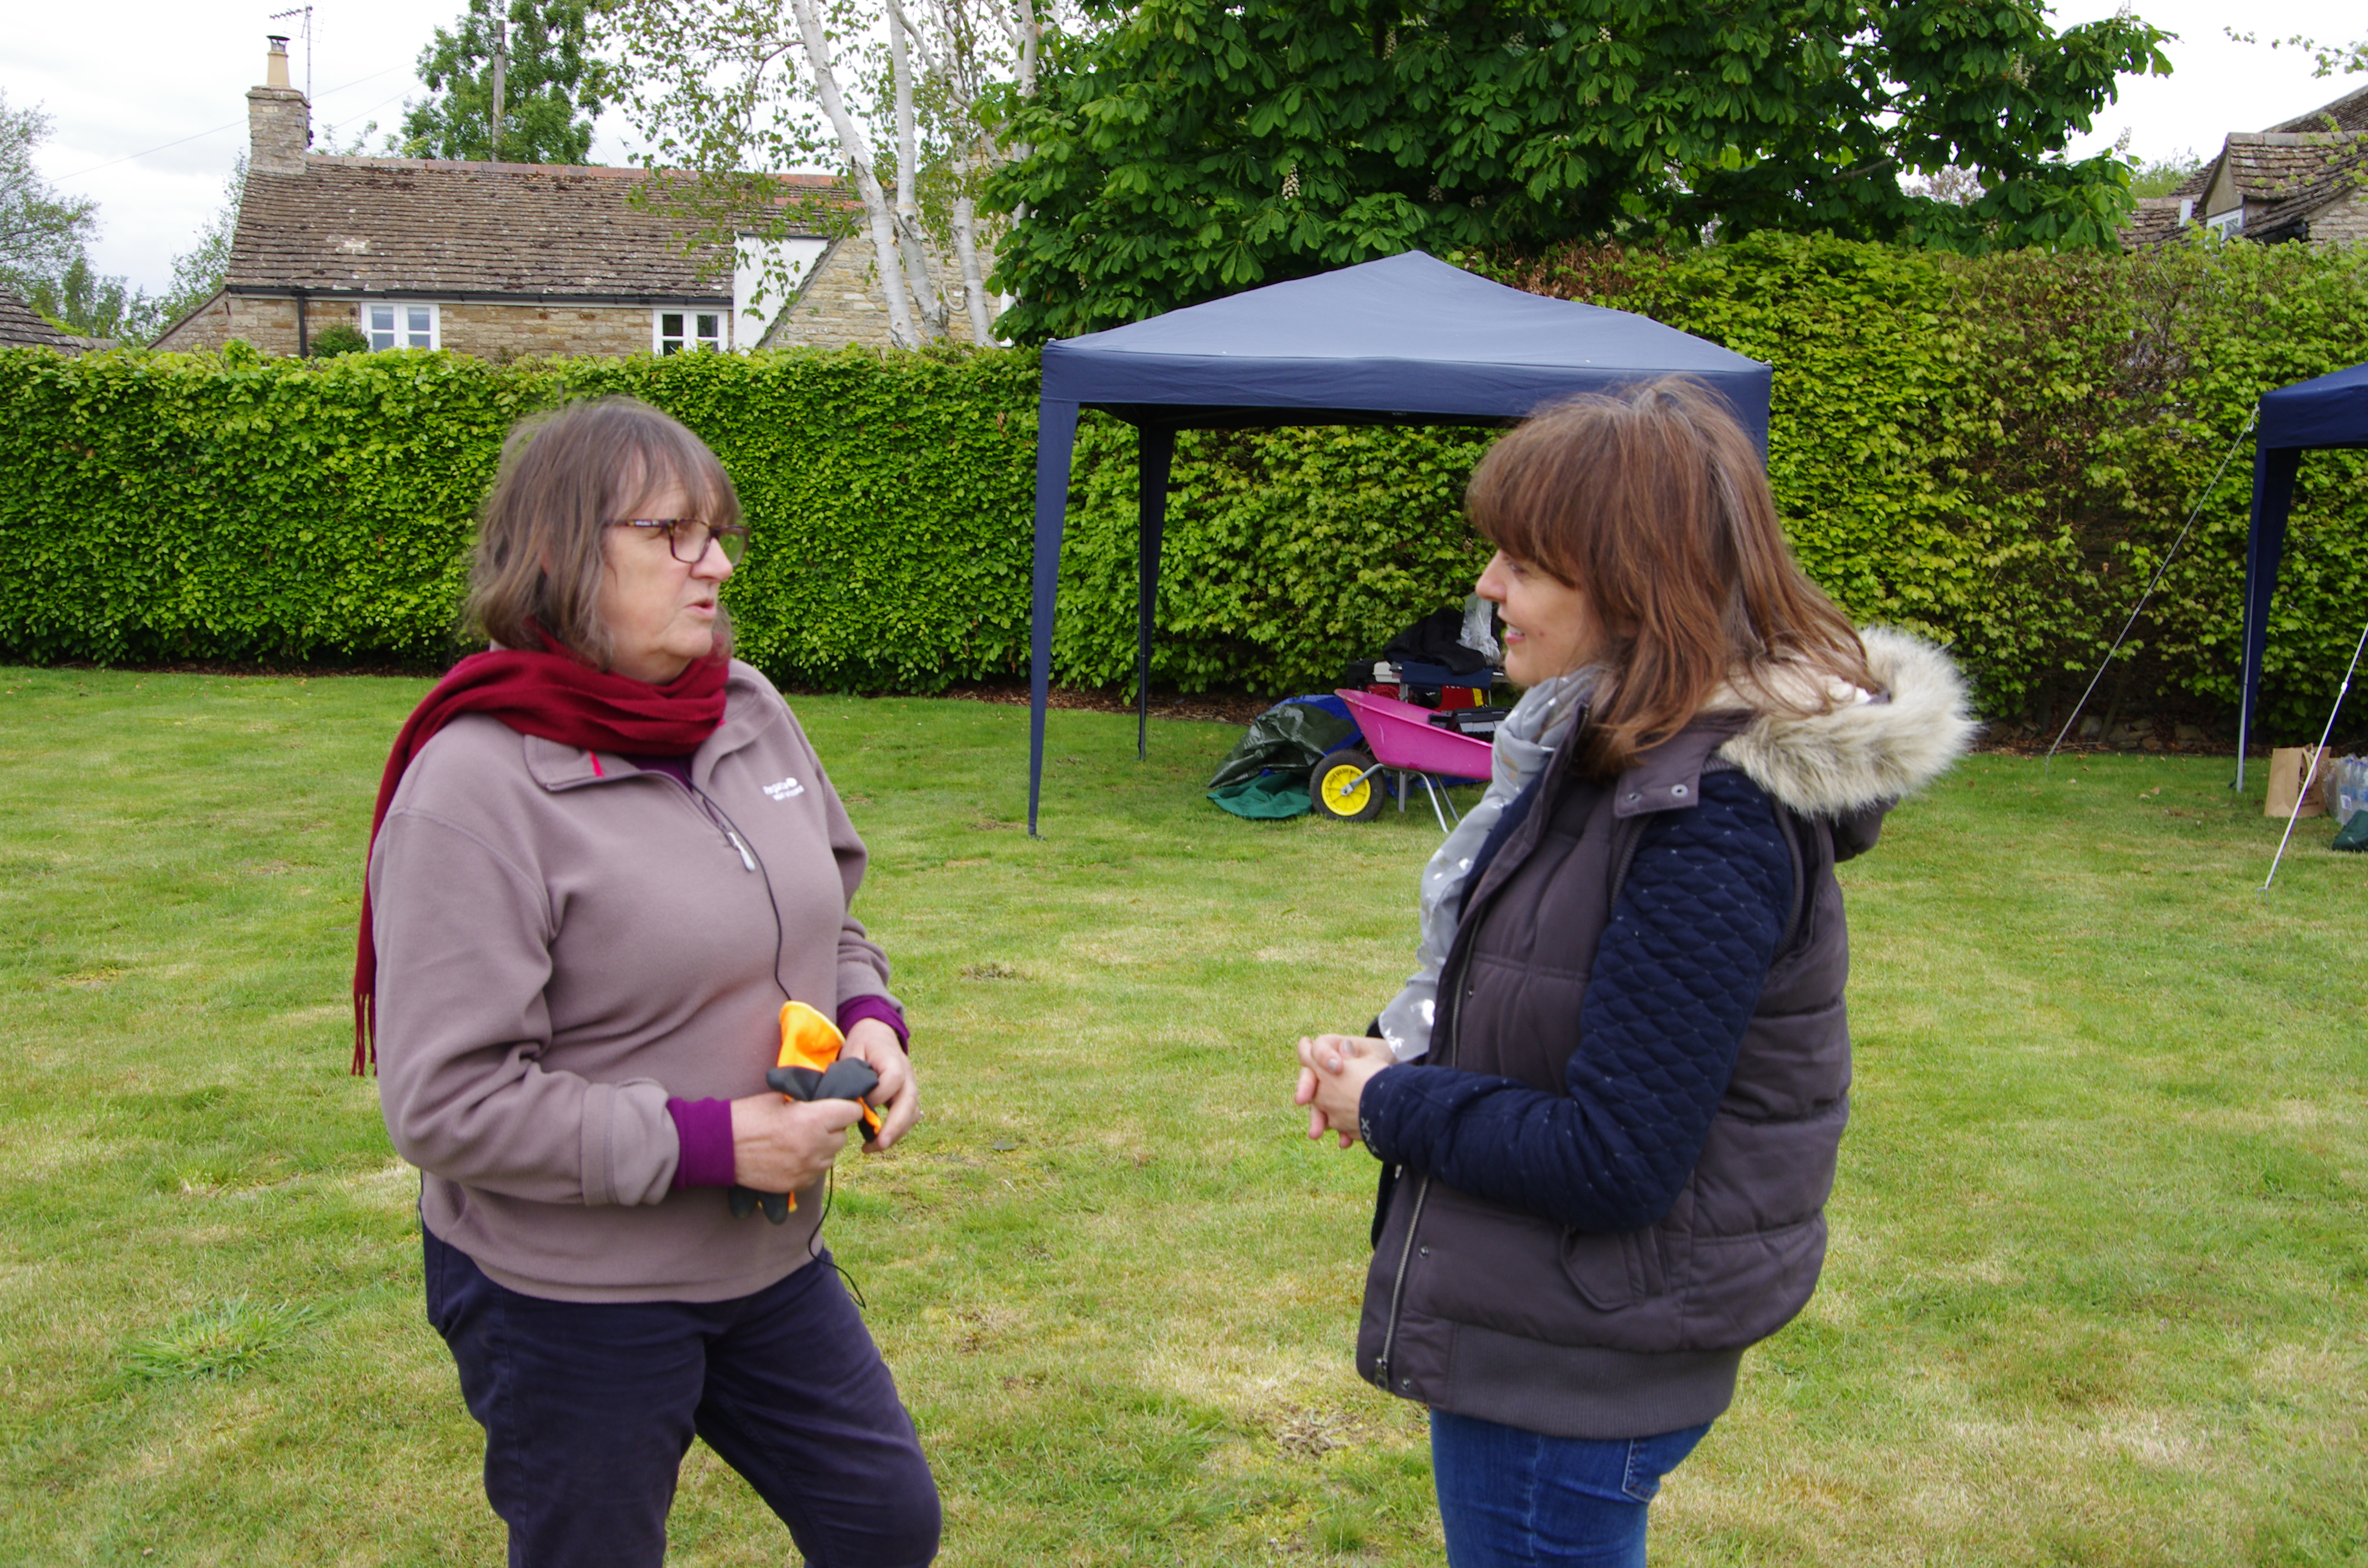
x=2225 y=223
x=684 y=331
x=400 y=324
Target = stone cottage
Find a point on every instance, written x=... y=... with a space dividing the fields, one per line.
x=501 y=260
x=2304 y=180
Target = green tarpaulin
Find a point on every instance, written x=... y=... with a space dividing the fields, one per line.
x=1265 y=773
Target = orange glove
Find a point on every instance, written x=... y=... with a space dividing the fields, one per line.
x=808 y=1068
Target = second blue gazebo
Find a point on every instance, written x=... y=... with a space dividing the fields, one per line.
x=2330 y=411
x=1408 y=340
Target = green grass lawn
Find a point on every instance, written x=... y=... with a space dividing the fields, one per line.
x=2099 y=1290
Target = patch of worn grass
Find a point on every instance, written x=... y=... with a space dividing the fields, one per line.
x=2096 y=1291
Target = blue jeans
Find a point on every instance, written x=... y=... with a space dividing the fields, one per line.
x=1515 y=1499
x=588 y=1408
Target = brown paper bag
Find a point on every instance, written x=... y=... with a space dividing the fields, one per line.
x=2290 y=779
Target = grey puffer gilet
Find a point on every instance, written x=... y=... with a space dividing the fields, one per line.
x=1486 y=1311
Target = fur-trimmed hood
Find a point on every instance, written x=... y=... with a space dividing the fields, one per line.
x=1864 y=753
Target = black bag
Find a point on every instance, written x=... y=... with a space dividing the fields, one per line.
x=1436 y=638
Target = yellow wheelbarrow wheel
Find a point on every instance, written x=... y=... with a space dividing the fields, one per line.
x=1345 y=785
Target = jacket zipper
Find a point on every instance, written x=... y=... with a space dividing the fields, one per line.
x=1450 y=1018
x=1397 y=1286
x=1450 y=1021
x=715 y=819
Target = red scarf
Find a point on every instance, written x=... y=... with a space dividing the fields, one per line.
x=558 y=697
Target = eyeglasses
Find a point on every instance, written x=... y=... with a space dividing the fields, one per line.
x=687 y=536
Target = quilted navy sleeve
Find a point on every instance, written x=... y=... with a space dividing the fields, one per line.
x=1676 y=978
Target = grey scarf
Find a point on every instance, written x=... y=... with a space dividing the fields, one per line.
x=1525 y=741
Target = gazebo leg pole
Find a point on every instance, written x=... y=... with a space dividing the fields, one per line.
x=2274 y=469
x=1057 y=437
x=1155 y=453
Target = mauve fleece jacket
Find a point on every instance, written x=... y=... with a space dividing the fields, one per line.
x=565 y=942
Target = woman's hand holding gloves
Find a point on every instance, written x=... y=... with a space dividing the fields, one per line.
x=1333 y=1071
x=898 y=1097
x=779 y=1144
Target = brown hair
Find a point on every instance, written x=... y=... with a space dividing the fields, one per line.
x=1655 y=503
x=565 y=476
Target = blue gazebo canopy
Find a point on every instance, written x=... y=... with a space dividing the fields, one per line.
x=2331 y=411
x=1408 y=340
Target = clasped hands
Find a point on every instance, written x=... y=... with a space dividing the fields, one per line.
x=1333 y=1071
x=779 y=1144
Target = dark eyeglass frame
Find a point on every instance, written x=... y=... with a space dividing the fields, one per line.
x=733 y=537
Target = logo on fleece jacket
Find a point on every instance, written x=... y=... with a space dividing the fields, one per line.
x=786 y=788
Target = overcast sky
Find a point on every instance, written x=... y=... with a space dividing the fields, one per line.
x=150 y=110
x=178 y=73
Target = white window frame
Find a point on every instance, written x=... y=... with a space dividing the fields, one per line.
x=2230 y=223
x=697 y=329
x=406 y=333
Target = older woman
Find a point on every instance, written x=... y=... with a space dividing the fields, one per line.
x=605 y=855
x=1607 y=1107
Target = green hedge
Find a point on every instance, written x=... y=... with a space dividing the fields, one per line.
x=1993 y=449
x=231 y=508
x=1286 y=553
x=1998 y=451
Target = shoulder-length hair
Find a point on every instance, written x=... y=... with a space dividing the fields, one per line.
x=1654 y=504
x=565 y=476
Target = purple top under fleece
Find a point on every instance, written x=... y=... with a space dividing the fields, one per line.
x=705 y=1129
x=675 y=767
x=855 y=1009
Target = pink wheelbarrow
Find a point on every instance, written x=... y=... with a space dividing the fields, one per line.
x=1348 y=785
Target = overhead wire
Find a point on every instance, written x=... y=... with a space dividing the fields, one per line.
x=227 y=125
x=360 y=113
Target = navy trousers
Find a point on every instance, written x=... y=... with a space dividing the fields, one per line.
x=590 y=1407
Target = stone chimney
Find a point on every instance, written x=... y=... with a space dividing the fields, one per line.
x=278 y=120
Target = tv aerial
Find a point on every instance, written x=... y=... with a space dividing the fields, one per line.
x=303 y=30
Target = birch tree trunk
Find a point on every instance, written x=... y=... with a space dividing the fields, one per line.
x=1025 y=28
x=965 y=223
x=918 y=276
x=857 y=152
x=1028 y=37
x=958 y=70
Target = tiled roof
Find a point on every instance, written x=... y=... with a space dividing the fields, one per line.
x=2155 y=221
x=20 y=329
x=394 y=226
x=2284 y=177
x=2346 y=113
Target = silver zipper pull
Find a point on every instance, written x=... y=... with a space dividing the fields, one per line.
x=724 y=825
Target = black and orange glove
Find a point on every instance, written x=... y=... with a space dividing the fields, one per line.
x=809 y=1068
